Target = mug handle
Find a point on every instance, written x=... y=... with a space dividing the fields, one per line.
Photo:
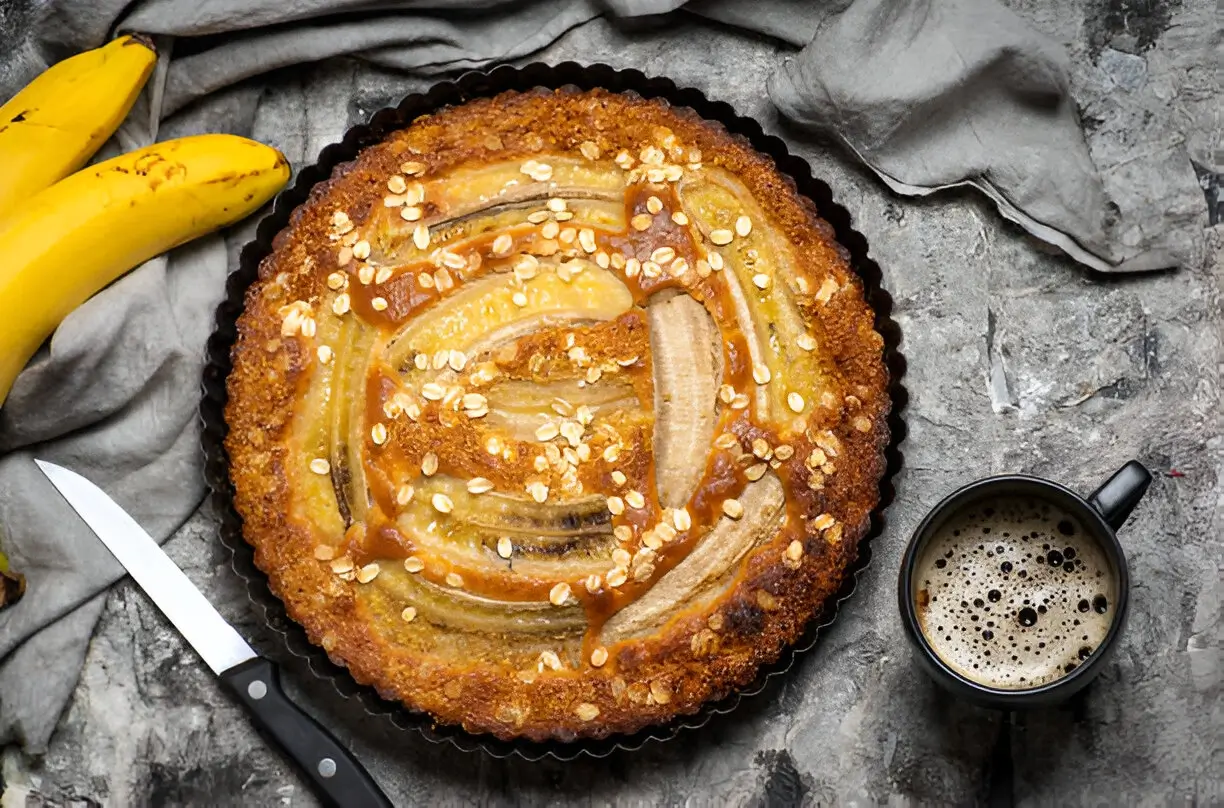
x=1121 y=493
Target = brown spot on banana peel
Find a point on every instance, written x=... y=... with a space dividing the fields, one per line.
x=234 y=178
x=170 y=173
x=143 y=40
x=18 y=118
x=145 y=163
x=12 y=587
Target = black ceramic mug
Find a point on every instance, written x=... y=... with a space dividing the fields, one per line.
x=1099 y=517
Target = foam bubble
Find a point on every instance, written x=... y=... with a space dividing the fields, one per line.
x=1013 y=593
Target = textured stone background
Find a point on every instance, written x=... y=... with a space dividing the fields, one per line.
x=1018 y=361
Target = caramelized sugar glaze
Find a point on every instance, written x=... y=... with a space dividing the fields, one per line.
x=556 y=414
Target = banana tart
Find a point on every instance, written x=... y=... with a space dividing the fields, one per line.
x=556 y=414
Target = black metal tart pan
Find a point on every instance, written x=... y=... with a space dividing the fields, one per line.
x=479 y=84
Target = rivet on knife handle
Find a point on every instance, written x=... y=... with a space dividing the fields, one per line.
x=336 y=774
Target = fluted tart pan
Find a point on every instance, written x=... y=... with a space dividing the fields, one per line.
x=557 y=406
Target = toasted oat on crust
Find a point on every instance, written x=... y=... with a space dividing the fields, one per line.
x=599 y=423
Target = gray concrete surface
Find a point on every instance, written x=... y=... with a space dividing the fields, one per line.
x=1018 y=361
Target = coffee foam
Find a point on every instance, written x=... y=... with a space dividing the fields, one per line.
x=1014 y=593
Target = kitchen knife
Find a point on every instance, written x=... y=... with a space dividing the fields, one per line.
x=336 y=774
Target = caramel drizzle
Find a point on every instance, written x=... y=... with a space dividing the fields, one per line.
x=404 y=295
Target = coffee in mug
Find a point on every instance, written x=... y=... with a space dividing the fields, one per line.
x=1013 y=592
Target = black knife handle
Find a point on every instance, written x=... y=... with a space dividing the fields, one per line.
x=337 y=776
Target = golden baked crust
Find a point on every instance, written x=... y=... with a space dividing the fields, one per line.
x=556 y=414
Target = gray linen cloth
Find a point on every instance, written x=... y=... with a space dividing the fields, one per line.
x=928 y=94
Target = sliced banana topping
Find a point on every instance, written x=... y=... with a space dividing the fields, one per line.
x=590 y=372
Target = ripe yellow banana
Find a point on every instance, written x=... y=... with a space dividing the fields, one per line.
x=74 y=238
x=53 y=126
